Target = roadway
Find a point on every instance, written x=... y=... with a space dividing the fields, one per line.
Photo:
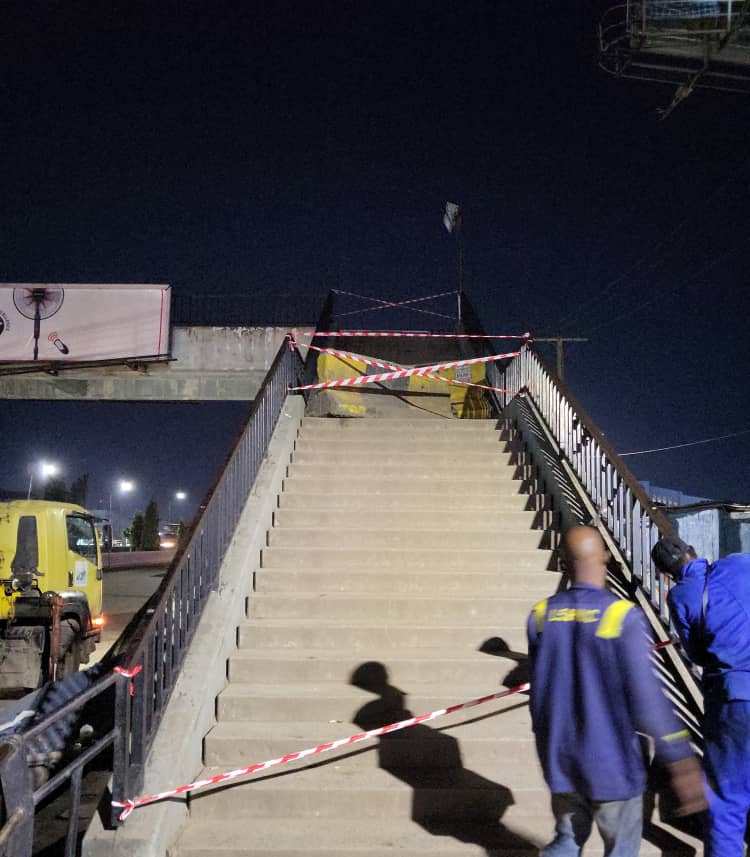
x=125 y=591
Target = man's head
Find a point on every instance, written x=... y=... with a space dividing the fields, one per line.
x=587 y=555
x=671 y=555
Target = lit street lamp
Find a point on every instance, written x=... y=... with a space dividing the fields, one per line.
x=179 y=495
x=45 y=469
x=124 y=486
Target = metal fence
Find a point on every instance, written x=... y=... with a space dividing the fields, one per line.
x=155 y=643
x=621 y=502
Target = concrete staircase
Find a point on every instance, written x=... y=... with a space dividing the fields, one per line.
x=402 y=564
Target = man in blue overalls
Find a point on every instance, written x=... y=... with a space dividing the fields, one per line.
x=592 y=691
x=710 y=608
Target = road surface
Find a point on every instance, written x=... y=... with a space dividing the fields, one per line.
x=125 y=591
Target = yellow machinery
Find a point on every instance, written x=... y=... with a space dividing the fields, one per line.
x=51 y=601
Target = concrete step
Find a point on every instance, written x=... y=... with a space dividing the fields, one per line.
x=360 y=472
x=338 y=446
x=406 y=668
x=373 y=579
x=403 y=538
x=505 y=561
x=373 y=640
x=395 y=457
x=284 y=837
x=389 y=609
x=360 y=837
x=514 y=760
x=376 y=485
x=332 y=703
x=400 y=427
x=388 y=518
x=426 y=502
x=339 y=791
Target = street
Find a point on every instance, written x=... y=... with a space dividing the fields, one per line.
x=125 y=591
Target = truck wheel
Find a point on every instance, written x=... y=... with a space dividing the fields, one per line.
x=70 y=646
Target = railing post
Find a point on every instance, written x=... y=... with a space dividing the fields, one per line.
x=123 y=783
x=17 y=833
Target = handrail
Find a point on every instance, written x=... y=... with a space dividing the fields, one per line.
x=623 y=506
x=153 y=646
x=158 y=641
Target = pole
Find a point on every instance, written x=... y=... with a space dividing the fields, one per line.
x=560 y=359
x=559 y=350
x=111 y=522
x=31 y=480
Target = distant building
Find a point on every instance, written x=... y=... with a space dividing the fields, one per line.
x=671 y=496
x=712 y=527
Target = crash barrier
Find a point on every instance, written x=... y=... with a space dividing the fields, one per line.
x=128 y=806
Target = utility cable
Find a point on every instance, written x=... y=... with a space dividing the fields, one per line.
x=689 y=443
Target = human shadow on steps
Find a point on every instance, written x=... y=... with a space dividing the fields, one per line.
x=448 y=799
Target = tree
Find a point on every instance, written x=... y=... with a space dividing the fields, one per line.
x=136 y=532
x=151 y=527
x=56 y=490
x=79 y=489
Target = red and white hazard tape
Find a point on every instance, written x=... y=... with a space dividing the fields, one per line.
x=350 y=355
x=406 y=334
x=369 y=361
x=129 y=805
x=360 y=380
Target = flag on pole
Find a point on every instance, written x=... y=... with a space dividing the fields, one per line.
x=452 y=216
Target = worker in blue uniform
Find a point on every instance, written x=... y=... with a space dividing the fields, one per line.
x=592 y=691
x=710 y=608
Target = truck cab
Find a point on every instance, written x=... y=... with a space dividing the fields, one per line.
x=51 y=596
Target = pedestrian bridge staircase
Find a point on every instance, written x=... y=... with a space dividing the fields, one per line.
x=403 y=561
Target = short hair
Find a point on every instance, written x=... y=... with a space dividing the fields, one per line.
x=669 y=554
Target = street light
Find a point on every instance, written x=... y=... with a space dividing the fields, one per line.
x=178 y=495
x=46 y=469
x=124 y=486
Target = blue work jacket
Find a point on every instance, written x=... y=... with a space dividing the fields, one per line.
x=592 y=690
x=710 y=609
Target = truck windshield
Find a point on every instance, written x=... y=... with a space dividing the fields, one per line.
x=82 y=537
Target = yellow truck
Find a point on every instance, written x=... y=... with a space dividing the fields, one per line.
x=51 y=599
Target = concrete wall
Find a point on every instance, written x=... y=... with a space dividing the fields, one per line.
x=177 y=754
x=210 y=364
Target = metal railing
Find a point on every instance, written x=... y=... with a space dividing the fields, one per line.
x=155 y=643
x=621 y=502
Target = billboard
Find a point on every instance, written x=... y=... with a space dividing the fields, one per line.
x=75 y=322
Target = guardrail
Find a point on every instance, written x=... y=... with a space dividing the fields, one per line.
x=154 y=645
x=621 y=502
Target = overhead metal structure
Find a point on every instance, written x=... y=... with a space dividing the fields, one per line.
x=686 y=43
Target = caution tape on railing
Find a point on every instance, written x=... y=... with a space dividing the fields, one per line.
x=360 y=380
x=415 y=334
x=370 y=361
x=128 y=806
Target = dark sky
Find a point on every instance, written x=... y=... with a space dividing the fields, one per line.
x=266 y=149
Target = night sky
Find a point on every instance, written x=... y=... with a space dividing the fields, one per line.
x=267 y=150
